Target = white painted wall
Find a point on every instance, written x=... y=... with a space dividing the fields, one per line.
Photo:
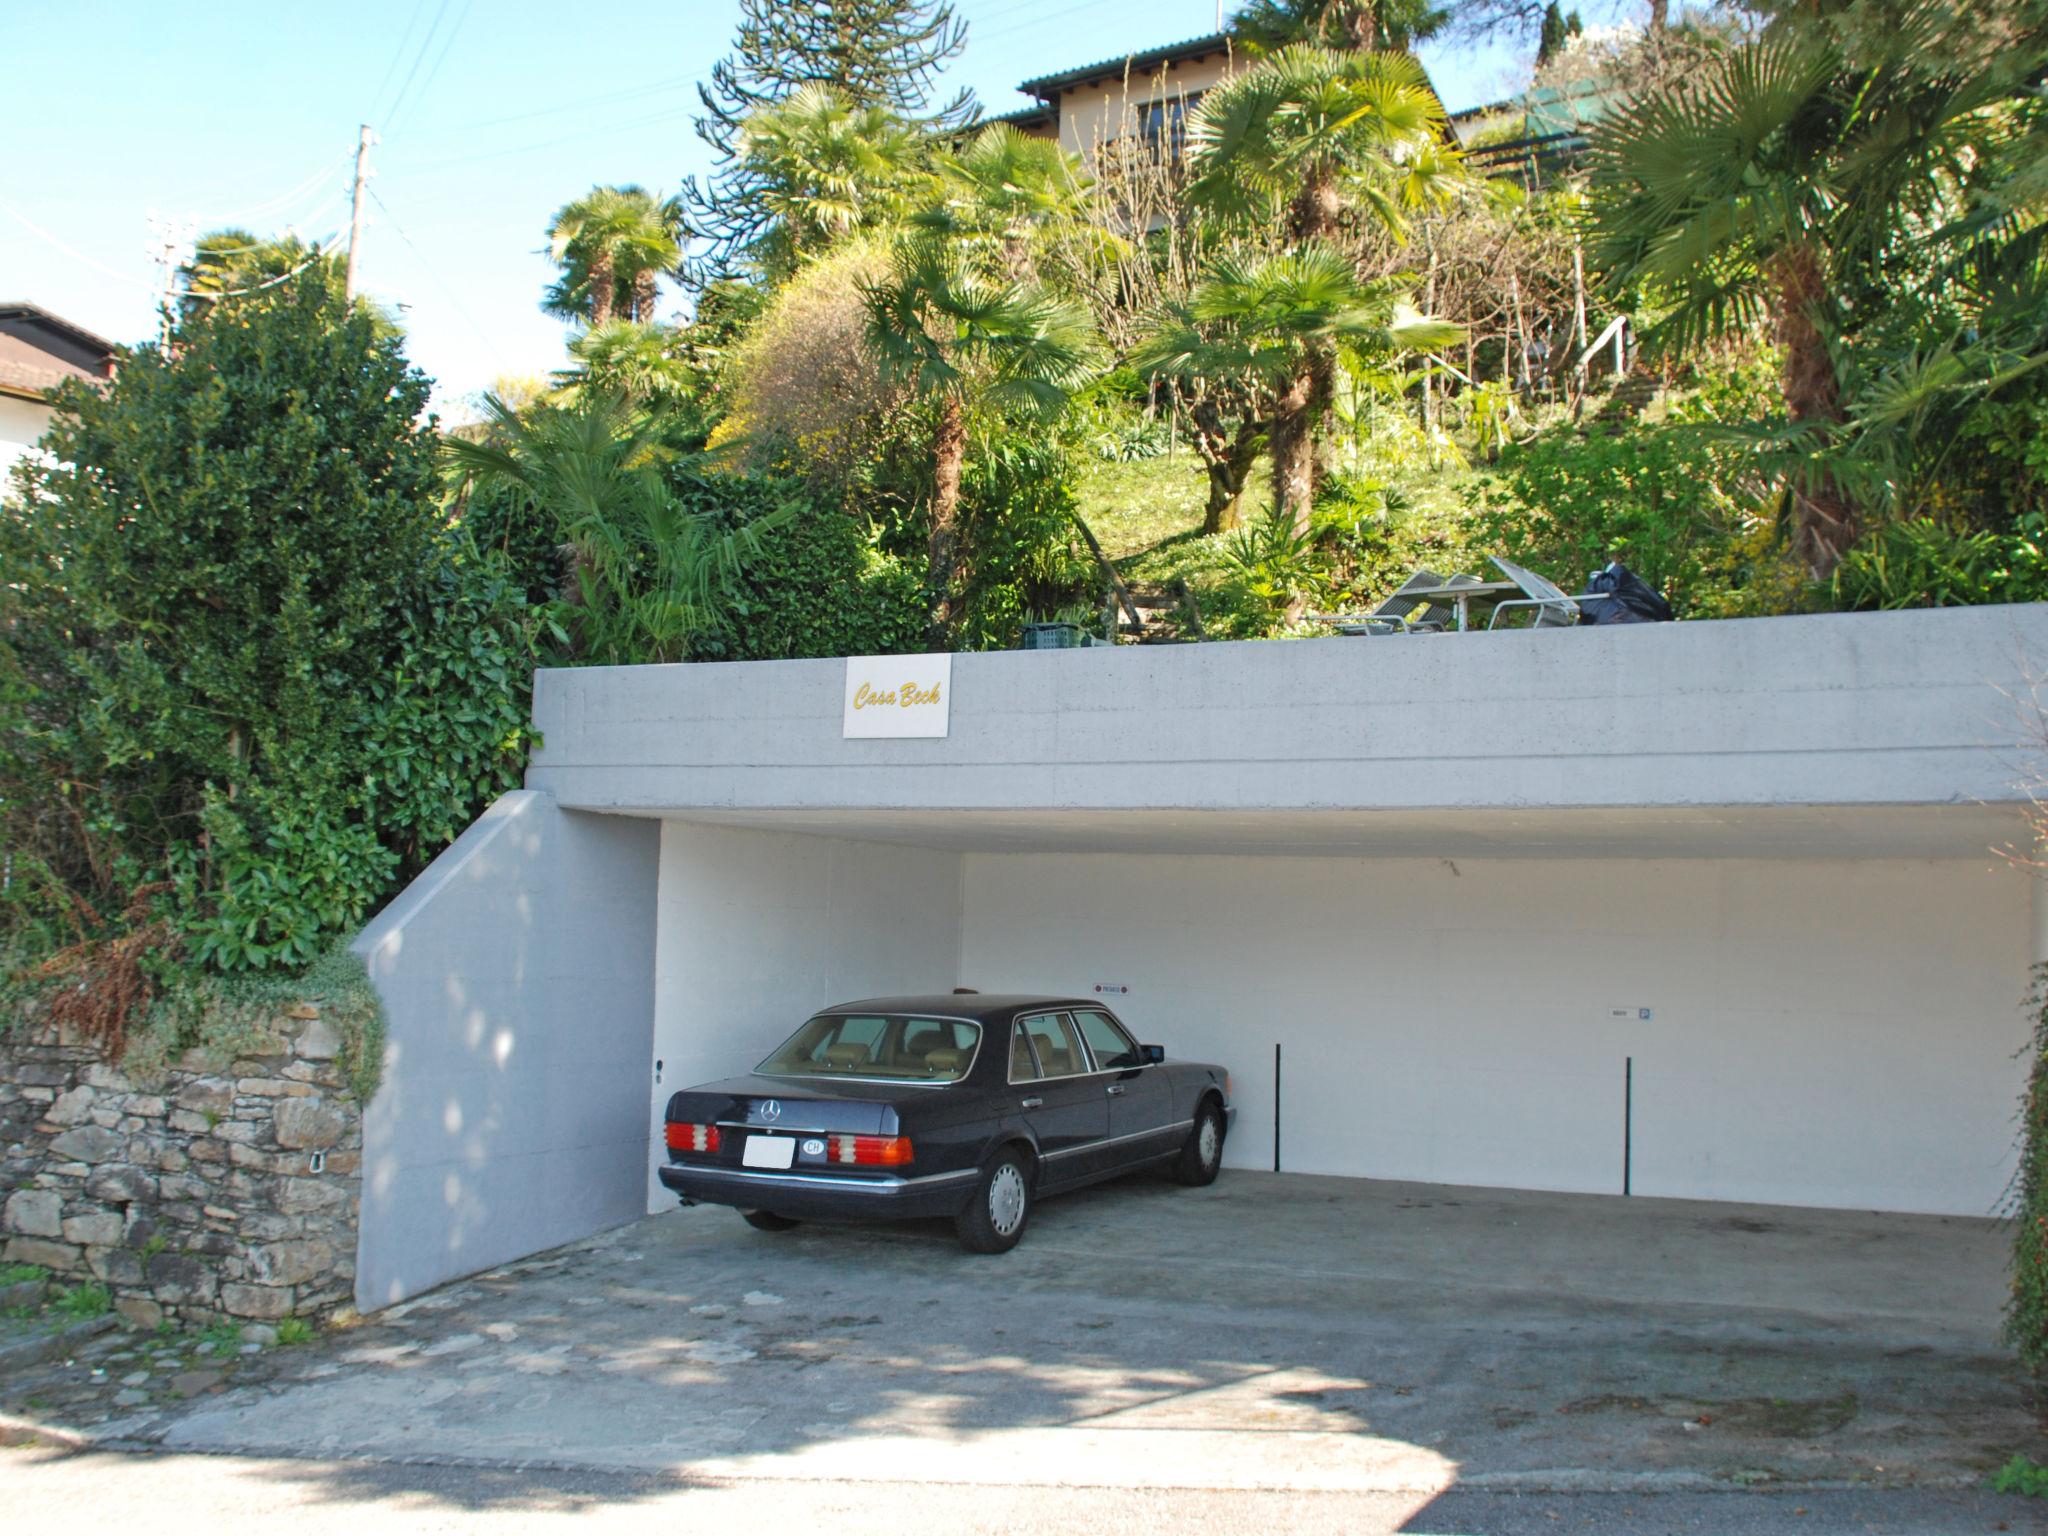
x=21 y=423
x=1834 y=1034
x=758 y=930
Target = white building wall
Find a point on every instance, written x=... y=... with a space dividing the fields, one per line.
x=1835 y=1034
x=757 y=930
x=22 y=422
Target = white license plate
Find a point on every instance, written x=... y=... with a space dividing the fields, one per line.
x=769 y=1152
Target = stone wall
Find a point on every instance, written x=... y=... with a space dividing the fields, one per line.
x=224 y=1188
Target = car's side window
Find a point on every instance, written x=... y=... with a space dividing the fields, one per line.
x=1114 y=1049
x=1058 y=1047
x=1023 y=1066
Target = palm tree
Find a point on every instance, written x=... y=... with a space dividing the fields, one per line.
x=608 y=242
x=1266 y=26
x=646 y=575
x=1004 y=190
x=1788 y=184
x=1269 y=320
x=630 y=358
x=822 y=170
x=1303 y=137
x=964 y=336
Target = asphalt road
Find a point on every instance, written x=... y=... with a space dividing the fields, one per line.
x=138 y=1492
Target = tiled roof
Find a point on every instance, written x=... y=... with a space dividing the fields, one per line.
x=1168 y=54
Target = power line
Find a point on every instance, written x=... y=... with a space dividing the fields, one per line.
x=262 y=210
x=427 y=85
x=431 y=271
x=666 y=116
x=76 y=254
x=607 y=98
x=404 y=40
x=1038 y=21
x=398 y=101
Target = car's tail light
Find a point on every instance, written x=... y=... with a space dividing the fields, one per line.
x=684 y=1137
x=871 y=1151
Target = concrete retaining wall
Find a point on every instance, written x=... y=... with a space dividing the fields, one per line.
x=1835 y=709
x=517 y=975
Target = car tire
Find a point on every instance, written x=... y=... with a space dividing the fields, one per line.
x=1202 y=1157
x=768 y=1221
x=1001 y=1205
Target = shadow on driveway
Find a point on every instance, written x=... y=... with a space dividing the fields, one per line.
x=1274 y=1332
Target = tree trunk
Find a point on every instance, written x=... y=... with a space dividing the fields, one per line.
x=603 y=289
x=1363 y=23
x=949 y=453
x=1228 y=458
x=1660 y=16
x=646 y=291
x=1313 y=215
x=1824 y=522
x=1293 y=441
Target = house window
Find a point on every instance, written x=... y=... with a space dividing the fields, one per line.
x=1162 y=126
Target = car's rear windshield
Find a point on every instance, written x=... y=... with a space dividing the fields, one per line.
x=893 y=1045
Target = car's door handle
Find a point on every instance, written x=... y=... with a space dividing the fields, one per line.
x=1033 y=1103
x=1115 y=1089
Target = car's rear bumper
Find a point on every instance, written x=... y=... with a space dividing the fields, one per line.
x=819 y=1196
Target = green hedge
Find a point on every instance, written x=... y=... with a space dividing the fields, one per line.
x=818 y=585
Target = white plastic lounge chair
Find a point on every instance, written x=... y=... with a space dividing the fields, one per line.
x=1552 y=606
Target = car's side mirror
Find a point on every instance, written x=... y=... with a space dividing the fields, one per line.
x=1154 y=1054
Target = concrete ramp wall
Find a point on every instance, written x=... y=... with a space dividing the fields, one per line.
x=517 y=975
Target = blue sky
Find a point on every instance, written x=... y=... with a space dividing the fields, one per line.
x=237 y=112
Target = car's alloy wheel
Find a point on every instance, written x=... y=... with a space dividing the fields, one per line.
x=995 y=1217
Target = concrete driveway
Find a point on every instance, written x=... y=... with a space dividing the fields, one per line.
x=1274 y=1332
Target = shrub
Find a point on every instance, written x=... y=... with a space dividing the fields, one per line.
x=817 y=586
x=804 y=388
x=1925 y=563
x=1672 y=500
x=248 y=679
x=1023 y=550
x=2026 y=1315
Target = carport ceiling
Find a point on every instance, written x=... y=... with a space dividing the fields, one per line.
x=1726 y=832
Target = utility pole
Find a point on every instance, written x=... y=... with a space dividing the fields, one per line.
x=355 y=221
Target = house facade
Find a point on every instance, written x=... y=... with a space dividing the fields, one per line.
x=1145 y=95
x=40 y=351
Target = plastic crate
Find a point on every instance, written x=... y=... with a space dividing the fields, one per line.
x=1052 y=637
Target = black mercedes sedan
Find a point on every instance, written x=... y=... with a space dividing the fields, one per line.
x=961 y=1105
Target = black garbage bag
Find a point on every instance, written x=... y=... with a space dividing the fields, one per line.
x=1634 y=601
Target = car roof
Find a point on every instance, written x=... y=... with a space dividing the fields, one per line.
x=982 y=1007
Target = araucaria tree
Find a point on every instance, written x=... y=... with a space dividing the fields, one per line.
x=883 y=54
x=613 y=245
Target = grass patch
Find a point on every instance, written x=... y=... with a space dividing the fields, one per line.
x=294 y=1330
x=2024 y=1475
x=80 y=1302
x=21 y=1274
x=225 y=1338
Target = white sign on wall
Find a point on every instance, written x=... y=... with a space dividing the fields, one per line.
x=898 y=695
